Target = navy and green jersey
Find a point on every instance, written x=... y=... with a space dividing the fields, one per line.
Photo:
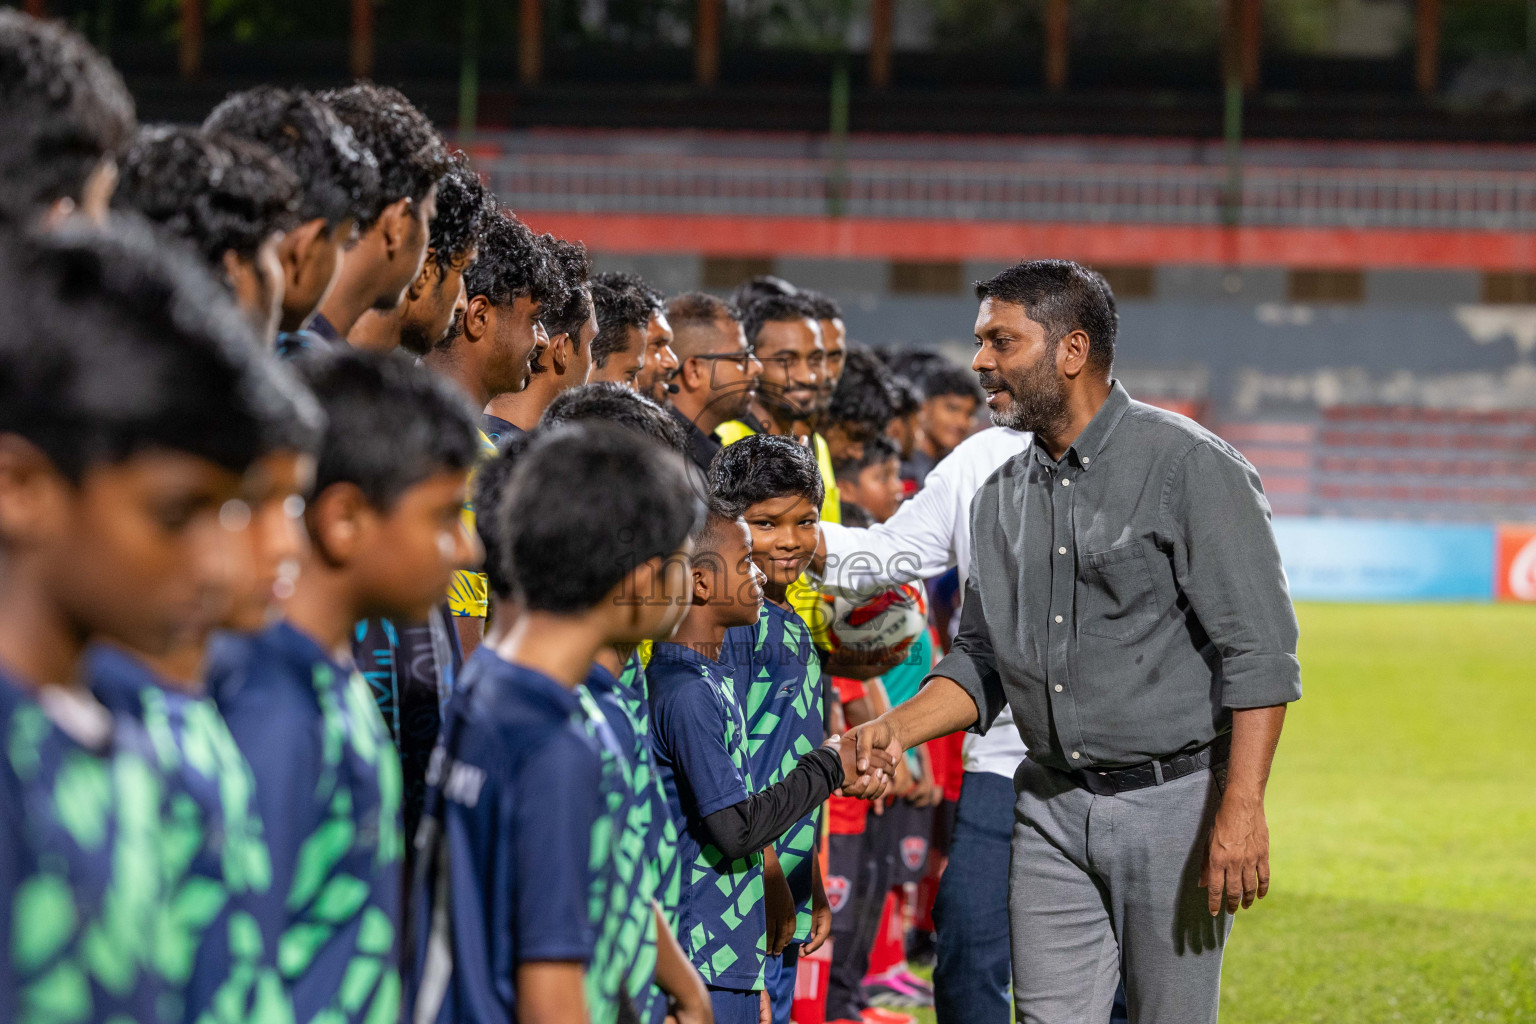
x=216 y=868
x=778 y=681
x=700 y=740
x=511 y=801
x=615 y=869
x=661 y=836
x=645 y=844
x=82 y=905
x=328 y=791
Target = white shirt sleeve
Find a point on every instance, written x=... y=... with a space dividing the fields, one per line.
x=916 y=543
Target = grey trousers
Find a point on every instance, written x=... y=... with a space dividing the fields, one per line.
x=1105 y=886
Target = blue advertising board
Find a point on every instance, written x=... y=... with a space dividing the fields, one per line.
x=1369 y=560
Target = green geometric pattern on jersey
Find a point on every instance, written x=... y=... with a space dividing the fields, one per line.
x=323 y=899
x=742 y=887
x=650 y=825
x=613 y=866
x=105 y=804
x=192 y=742
x=795 y=648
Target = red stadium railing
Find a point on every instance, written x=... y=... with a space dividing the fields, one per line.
x=1270 y=196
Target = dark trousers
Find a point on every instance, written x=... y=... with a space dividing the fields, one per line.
x=970 y=915
x=859 y=872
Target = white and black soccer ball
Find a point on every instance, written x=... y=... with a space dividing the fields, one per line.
x=889 y=620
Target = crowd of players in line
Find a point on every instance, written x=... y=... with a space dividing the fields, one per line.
x=399 y=621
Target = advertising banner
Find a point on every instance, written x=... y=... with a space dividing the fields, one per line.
x=1370 y=560
x=1515 y=575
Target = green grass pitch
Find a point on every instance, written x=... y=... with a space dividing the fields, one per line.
x=1402 y=815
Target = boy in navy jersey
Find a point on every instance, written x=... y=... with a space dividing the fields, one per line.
x=384 y=539
x=639 y=934
x=777 y=673
x=701 y=740
x=224 y=873
x=592 y=528
x=132 y=403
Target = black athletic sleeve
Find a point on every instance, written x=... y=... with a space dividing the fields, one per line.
x=744 y=828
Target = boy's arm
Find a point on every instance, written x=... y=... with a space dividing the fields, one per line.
x=821 y=912
x=678 y=978
x=778 y=903
x=761 y=818
x=551 y=993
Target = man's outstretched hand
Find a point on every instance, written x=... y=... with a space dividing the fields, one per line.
x=873 y=745
x=857 y=781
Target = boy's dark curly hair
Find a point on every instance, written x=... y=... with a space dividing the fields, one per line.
x=574 y=265
x=762 y=467
x=464 y=205
x=513 y=264
x=63 y=108
x=338 y=175
x=864 y=399
x=219 y=192
x=410 y=153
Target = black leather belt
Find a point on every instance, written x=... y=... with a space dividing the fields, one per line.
x=1110 y=781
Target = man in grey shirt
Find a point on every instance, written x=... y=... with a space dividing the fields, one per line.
x=1126 y=600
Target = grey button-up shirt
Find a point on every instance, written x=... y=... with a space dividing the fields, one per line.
x=1126 y=598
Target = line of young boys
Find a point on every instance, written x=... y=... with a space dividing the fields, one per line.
x=214 y=808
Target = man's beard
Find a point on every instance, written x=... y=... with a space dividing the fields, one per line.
x=1037 y=398
x=417 y=342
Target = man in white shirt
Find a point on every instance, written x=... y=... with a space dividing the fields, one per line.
x=927 y=536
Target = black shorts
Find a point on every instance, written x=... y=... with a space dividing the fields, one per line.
x=908 y=831
x=849 y=870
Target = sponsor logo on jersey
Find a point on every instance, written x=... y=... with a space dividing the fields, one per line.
x=837 y=892
x=914 y=850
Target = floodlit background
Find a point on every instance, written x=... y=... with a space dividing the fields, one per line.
x=1318 y=217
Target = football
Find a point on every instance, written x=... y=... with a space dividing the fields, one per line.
x=890 y=619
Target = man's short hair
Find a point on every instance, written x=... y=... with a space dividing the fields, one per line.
x=63 y=109
x=694 y=316
x=586 y=505
x=945 y=378
x=410 y=153
x=873 y=452
x=634 y=283
x=338 y=176
x=864 y=397
x=390 y=423
x=571 y=261
x=905 y=397
x=774 y=309
x=464 y=205
x=624 y=303
x=513 y=264
x=615 y=403
x=824 y=306
x=699 y=309
x=713 y=528
x=221 y=193
x=114 y=344
x=762 y=467
x=911 y=363
x=761 y=287
x=1061 y=296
